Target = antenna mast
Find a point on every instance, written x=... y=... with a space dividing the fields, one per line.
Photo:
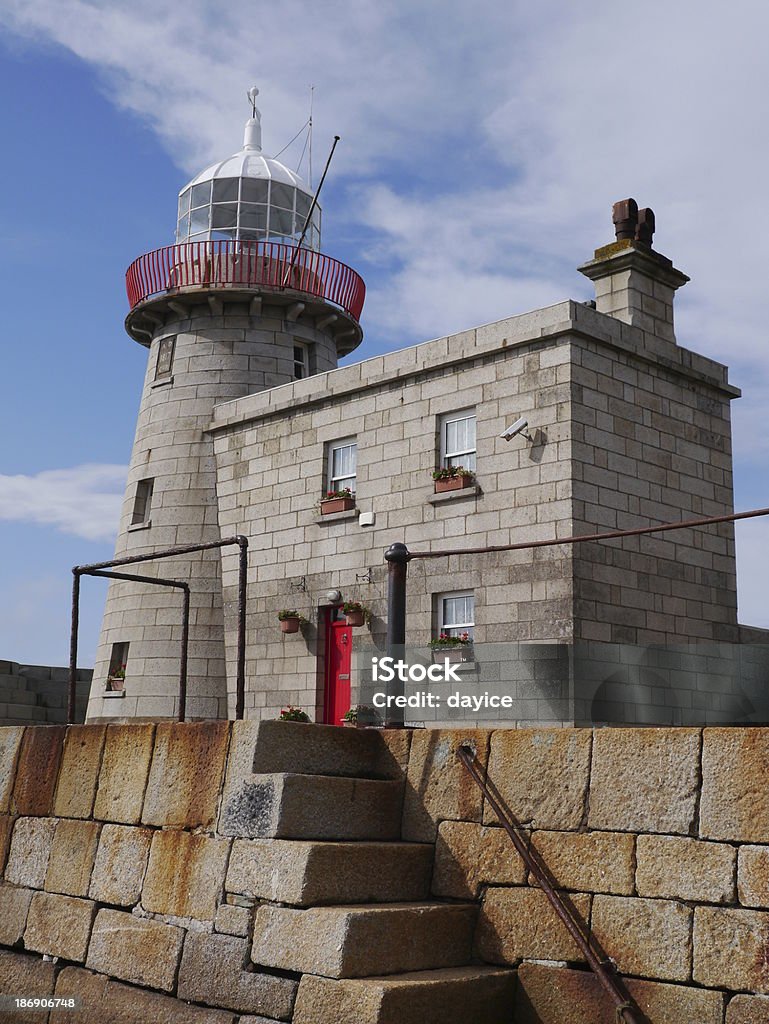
x=309 y=214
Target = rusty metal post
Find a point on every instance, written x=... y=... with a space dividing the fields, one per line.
x=240 y=698
x=397 y=557
x=75 y=623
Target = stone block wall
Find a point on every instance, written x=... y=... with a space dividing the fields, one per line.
x=628 y=431
x=37 y=694
x=123 y=859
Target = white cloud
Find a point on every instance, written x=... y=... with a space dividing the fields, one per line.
x=83 y=501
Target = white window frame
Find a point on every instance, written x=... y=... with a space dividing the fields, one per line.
x=454 y=628
x=337 y=483
x=460 y=457
x=304 y=348
x=142 y=508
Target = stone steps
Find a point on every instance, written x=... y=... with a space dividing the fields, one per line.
x=293 y=806
x=360 y=941
x=466 y=995
x=307 y=873
x=311 y=749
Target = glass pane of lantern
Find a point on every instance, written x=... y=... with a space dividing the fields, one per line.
x=226 y=190
x=253 y=190
x=253 y=217
x=199 y=220
x=303 y=204
x=282 y=195
x=224 y=216
x=281 y=222
x=184 y=203
x=201 y=194
x=183 y=228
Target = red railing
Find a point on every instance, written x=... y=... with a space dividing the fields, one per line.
x=248 y=264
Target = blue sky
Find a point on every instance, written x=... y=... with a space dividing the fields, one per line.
x=482 y=148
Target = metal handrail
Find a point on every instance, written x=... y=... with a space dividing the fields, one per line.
x=604 y=970
x=96 y=569
x=230 y=263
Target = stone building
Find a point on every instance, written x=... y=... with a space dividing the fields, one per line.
x=246 y=422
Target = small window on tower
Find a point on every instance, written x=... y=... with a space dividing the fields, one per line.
x=165 y=362
x=142 y=502
x=301 y=361
x=118 y=660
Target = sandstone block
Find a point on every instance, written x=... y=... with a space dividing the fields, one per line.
x=121 y=861
x=37 y=769
x=135 y=950
x=14 y=905
x=30 y=851
x=108 y=1002
x=59 y=925
x=685 y=869
x=185 y=875
x=355 y=942
x=553 y=995
x=735 y=806
x=748 y=1010
x=753 y=876
x=542 y=775
x=312 y=873
x=232 y=920
x=314 y=807
x=25 y=975
x=186 y=774
x=438 y=786
x=647 y=937
x=123 y=776
x=72 y=855
x=482 y=995
x=644 y=780
x=588 y=861
x=79 y=773
x=469 y=855
x=6 y=830
x=745 y=934
x=10 y=745
x=213 y=971
x=519 y=923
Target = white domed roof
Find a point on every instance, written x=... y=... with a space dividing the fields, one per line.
x=250 y=162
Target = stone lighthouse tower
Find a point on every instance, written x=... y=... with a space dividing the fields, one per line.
x=237 y=305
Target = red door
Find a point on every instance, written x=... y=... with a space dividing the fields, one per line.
x=338 y=660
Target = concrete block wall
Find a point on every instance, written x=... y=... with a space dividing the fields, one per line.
x=126 y=853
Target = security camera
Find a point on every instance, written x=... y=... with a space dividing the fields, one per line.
x=519 y=427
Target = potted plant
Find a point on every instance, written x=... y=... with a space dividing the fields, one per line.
x=337 y=501
x=355 y=613
x=116 y=678
x=292 y=714
x=452 y=648
x=361 y=716
x=452 y=478
x=290 y=620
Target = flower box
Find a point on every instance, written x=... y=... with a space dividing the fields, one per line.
x=452 y=483
x=330 y=505
x=355 y=618
x=290 y=625
x=454 y=655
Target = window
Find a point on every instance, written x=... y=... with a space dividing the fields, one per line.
x=458 y=439
x=342 y=464
x=165 y=362
x=301 y=361
x=117 y=661
x=142 y=502
x=456 y=613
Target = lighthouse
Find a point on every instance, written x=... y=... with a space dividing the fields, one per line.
x=243 y=301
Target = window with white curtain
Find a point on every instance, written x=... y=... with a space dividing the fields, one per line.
x=458 y=439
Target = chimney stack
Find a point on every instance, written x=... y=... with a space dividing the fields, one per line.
x=634 y=283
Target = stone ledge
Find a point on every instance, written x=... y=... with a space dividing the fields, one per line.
x=336 y=517
x=473 y=491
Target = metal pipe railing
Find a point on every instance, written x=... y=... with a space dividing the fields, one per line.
x=604 y=970
x=98 y=569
